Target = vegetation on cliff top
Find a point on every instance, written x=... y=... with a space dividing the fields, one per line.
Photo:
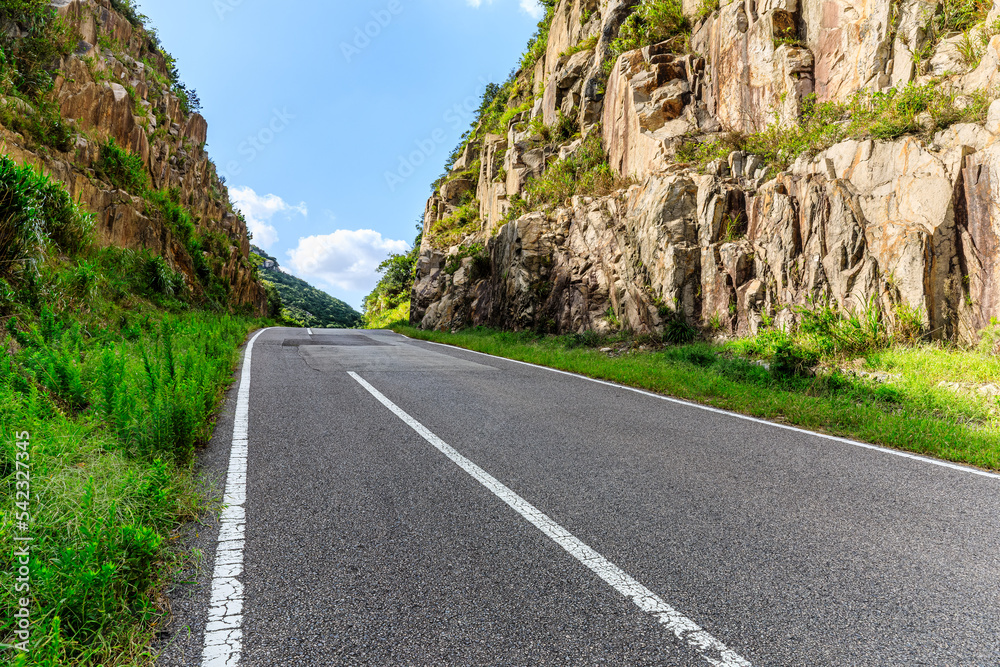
x=502 y=102
x=32 y=45
x=301 y=304
x=115 y=374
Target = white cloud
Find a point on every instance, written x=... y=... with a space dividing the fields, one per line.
x=259 y=210
x=346 y=259
x=533 y=8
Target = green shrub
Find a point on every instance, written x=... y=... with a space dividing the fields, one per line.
x=34 y=209
x=130 y=10
x=677 y=331
x=449 y=230
x=274 y=305
x=653 y=22
x=21 y=223
x=480 y=267
x=792 y=361
x=831 y=332
x=989 y=338
x=65 y=222
x=588 y=338
x=43 y=125
x=29 y=60
x=122 y=168
x=160 y=278
x=707 y=8
x=587 y=44
x=540 y=41
x=586 y=172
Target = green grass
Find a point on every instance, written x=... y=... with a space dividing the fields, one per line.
x=388 y=319
x=586 y=44
x=451 y=229
x=114 y=417
x=586 y=172
x=116 y=376
x=920 y=110
x=480 y=260
x=911 y=414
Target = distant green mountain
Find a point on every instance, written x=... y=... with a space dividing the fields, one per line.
x=301 y=302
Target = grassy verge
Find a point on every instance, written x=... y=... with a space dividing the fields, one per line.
x=115 y=374
x=388 y=318
x=113 y=421
x=910 y=411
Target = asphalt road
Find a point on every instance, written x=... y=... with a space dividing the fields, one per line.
x=366 y=545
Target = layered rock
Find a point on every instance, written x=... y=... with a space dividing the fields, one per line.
x=758 y=72
x=120 y=95
x=899 y=230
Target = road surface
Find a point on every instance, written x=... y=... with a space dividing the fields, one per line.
x=395 y=502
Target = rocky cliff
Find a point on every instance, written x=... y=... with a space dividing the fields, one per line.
x=109 y=80
x=769 y=155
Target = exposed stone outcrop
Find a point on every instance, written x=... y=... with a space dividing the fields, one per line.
x=905 y=228
x=651 y=102
x=758 y=72
x=108 y=94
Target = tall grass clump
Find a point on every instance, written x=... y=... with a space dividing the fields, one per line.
x=34 y=210
x=116 y=392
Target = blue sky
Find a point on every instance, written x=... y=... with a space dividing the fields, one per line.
x=308 y=115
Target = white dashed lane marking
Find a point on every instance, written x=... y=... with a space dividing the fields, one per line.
x=223 y=630
x=711 y=649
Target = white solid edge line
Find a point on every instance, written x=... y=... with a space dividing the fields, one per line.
x=678 y=401
x=711 y=649
x=223 y=628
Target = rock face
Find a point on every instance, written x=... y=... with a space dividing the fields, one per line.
x=119 y=95
x=902 y=230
